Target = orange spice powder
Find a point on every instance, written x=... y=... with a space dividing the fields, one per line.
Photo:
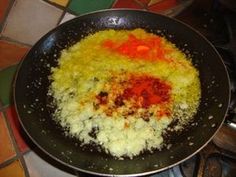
x=149 y=49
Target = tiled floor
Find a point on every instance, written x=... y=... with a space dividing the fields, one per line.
x=22 y=23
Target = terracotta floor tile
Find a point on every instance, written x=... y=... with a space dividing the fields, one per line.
x=3 y=8
x=6 y=147
x=127 y=4
x=13 y=170
x=11 y=53
x=18 y=132
x=60 y=2
x=6 y=79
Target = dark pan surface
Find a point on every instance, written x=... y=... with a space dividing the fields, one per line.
x=31 y=86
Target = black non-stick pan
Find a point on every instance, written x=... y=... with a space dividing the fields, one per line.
x=33 y=105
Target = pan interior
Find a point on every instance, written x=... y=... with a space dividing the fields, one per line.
x=32 y=102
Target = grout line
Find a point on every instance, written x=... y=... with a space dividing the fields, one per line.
x=26 y=152
x=15 y=41
x=2 y=69
x=60 y=7
x=114 y=2
x=13 y=63
x=73 y=12
x=54 y=4
x=8 y=162
x=67 y=6
x=142 y=5
x=19 y=155
x=61 y=17
x=3 y=107
x=65 y=9
x=112 y=5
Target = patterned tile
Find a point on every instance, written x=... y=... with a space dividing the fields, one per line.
x=6 y=79
x=4 y=4
x=11 y=53
x=18 y=132
x=38 y=167
x=67 y=17
x=60 y=2
x=127 y=4
x=29 y=20
x=6 y=148
x=13 y=170
x=84 y=6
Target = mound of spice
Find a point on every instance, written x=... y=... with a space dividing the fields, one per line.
x=139 y=91
x=150 y=48
x=147 y=91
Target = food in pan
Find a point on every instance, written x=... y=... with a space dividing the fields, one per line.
x=121 y=90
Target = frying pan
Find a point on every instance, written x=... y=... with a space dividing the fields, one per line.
x=35 y=114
